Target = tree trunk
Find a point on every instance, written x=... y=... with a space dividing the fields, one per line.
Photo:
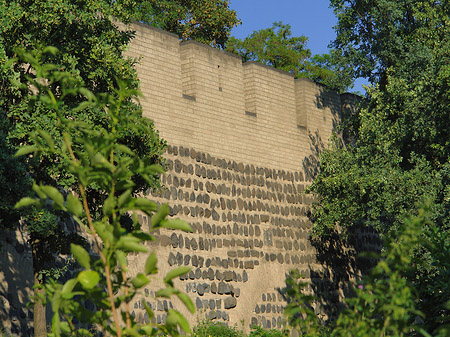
x=40 y=322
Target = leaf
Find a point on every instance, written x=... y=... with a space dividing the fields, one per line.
x=25 y=202
x=56 y=321
x=122 y=259
x=69 y=285
x=50 y=50
x=176 y=272
x=150 y=264
x=176 y=224
x=56 y=301
x=130 y=243
x=26 y=150
x=132 y=332
x=74 y=205
x=55 y=195
x=160 y=215
x=108 y=206
x=66 y=291
x=88 y=278
x=48 y=139
x=124 y=197
x=186 y=301
x=155 y=169
x=124 y=149
x=180 y=319
x=140 y=280
x=149 y=310
x=81 y=255
x=145 y=205
x=166 y=292
x=39 y=191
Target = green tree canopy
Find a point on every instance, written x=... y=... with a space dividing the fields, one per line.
x=91 y=49
x=206 y=21
x=276 y=47
x=399 y=153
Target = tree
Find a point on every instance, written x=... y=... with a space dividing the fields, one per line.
x=98 y=157
x=399 y=152
x=205 y=21
x=91 y=49
x=276 y=47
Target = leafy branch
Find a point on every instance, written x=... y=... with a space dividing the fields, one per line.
x=97 y=159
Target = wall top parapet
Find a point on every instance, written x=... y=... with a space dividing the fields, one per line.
x=259 y=64
x=192 y=42
x=146 y=26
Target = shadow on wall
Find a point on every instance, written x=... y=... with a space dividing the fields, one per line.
x=16 y=283
x=339 y=256
x=341 y=107
x=311 y=163
x=341 y=267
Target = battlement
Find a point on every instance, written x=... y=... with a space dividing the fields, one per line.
x=208 y=98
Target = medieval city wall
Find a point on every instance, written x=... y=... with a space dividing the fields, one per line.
x=243 y=143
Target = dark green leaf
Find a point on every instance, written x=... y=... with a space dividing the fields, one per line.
x=74 y=205
x=176 y=272
x=140 y=280
x=81 y=255
x=150 y=264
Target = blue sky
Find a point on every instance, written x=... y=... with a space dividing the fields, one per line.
x=312 y=18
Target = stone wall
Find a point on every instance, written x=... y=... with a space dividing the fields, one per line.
x=16 y=283
x=244 y=141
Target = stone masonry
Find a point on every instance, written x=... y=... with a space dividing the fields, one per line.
x=243 y=143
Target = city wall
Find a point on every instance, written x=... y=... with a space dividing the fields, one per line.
x=244 y=141
x=243 y=145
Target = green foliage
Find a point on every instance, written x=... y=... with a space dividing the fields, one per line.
x=301 y=315
x=399 y=152
x=216 y=329
x=205 y=21
x=257 y=331
x=96 y=157
x=91 y=49
x=386 y=301
x=13 y=177
x=277 y=47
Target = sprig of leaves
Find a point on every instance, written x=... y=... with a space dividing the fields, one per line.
x=97 y=159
